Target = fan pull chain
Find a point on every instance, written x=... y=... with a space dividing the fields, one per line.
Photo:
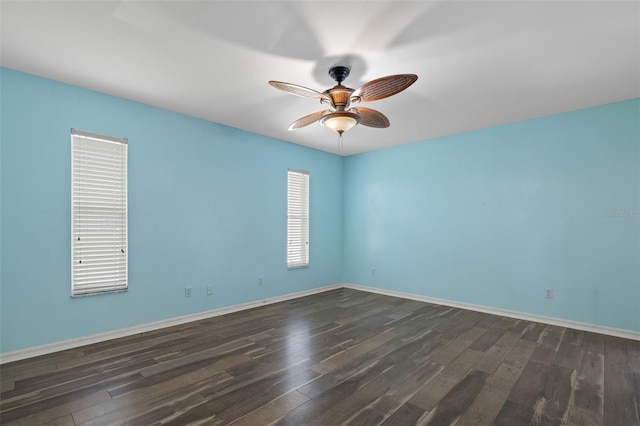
x=340 y=143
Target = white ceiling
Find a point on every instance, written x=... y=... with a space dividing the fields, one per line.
x=479 y=63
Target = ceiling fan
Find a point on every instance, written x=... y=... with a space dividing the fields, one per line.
x=342 y=116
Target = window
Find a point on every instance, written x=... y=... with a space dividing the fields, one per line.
x=98 y=213
x=297 y=219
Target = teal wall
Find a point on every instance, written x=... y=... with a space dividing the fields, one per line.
x=491 y=217
x=496 y=216
x=207 y=205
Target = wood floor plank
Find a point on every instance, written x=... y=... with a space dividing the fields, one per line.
x=544 y=354
x=533 y=331
x=513 y=414
x=229 y=405
x=44 y=416
x=147 y=381
x=371 y=364
x=552 y=406
x=326 y=401
x=494 y=356
x=633 y=352
x=24 y=369
x=211 y=355
x=56 y=396
x=7 y=385
x=142 y=395
x=407 y=415
x=457 y=346
x=74 y=378
x=581 y=417
x=487 y=339
x=419 y=364
x=151 y=348
x=407 y=383
x=530 y=385
x=65 y=420
x=163 y=409
x=349 y=405
x=569 y=352
x=507 y=374
x=553 y=334
x=337 y=357
x=620 y=407
x=458 y=399
x=548 y=345
x=593 y=342
x=488 y=321
x=351 y=353
x=488 y=403
x=432 y=392
x=485 y=407
x=636 y=388
x=589 y=383
x=273 y=410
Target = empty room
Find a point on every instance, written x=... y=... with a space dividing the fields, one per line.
x=320 y=212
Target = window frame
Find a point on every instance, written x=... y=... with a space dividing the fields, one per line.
x=99 y=206
x=298 y=219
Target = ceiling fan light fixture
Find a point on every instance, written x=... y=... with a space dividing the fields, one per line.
x=340 y=121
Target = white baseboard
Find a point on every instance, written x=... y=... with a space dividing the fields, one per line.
x=618 y=332
x=123 y=332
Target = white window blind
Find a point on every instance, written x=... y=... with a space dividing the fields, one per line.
x=99 y=213
x=297 y=219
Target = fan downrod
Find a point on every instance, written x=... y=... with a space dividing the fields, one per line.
x=339 y=73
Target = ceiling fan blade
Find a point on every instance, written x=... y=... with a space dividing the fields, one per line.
x=383 y=87
x=372 y=118
x=299 y=90
x=308 y=119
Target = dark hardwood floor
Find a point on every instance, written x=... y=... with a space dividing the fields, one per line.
x=340 y=357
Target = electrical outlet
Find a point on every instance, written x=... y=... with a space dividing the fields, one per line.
x=187 y=292
x=209 y=290
x=548 y=293
x=260 y=281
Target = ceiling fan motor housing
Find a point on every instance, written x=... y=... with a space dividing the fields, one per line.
x=339 y=73
x=340 y=97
